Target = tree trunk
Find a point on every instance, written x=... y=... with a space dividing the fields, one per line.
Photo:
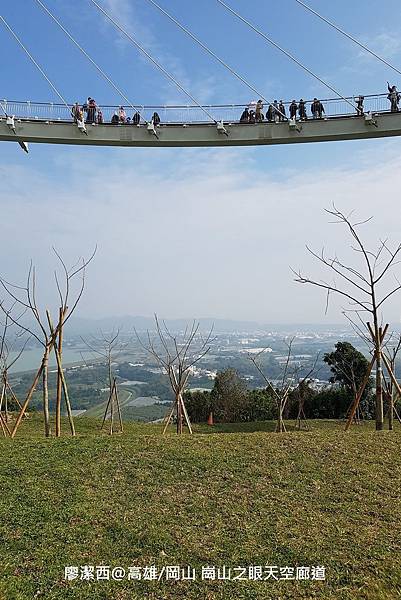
x=179 y=414
x=379 y=392
x=59 y=346
x=391 y=409
x=111 y=409
x=279 y=428
x=377 y=335
x=46 y=391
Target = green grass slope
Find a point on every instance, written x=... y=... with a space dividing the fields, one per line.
x=237 y=499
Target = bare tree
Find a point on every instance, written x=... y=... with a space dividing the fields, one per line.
x=7 y=344
x=289 y=381
x=46 y=334
x=177 y=356
x=109 y=347
x=362 y=287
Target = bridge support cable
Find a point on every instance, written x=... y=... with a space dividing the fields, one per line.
x=18 y=40
x=93 y=62
x=213 y=54
x=288 y=54
x=158 y=65
x=348 y=35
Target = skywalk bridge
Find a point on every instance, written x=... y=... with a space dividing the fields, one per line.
x=186 y=126
x=195 y=124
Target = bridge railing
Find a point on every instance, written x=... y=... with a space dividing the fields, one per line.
x=334 y=107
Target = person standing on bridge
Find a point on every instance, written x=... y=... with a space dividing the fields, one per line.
x=317 y=109
x=394 y=97
x=91 y=111
x=76 y=112
x=245 y=116
x=276 y=111
x=359 y=105
x=259 y=111
x=136 y=119
x=302 y=110
x=293 y=110
x=270 y=113
x=282 y=115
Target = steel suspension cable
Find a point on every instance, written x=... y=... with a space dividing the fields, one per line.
x=288 y=54
x=213 y=54
x=348 y=35
x=152 y=59
x=100 y=70
x=33 y=60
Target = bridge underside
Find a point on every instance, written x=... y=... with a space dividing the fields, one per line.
x=203 y=134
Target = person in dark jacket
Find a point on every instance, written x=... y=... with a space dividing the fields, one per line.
x=270 y=113
x=136 y=119
x=244 y=117
x=156 y=119
x=114 y=119
x=293 y=110
x=91 y=111
x=302 y=110
x=252 y=116
x=275 y=111
x=317 y=109
x=394 y=97
x=359 y=105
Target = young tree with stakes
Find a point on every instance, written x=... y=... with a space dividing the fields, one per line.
x=177 y=356
x=289 y=376
x=6 y=363
x=46 y=334
x=110 y=347
x=362 y=286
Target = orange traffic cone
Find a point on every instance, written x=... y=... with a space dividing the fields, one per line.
x=210 y=419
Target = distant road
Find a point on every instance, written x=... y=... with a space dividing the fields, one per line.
x=98 y=409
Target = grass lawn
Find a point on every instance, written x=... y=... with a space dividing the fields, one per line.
x=243 y=496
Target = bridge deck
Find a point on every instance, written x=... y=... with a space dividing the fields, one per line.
x=203 y=134
x=50 y=123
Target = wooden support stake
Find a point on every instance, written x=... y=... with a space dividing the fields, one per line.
x=60 y=374
x=27 y=399
x=118 y=406
x=169 y=418
x=59 y=347
x=359 y=394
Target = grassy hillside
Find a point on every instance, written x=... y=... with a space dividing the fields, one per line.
x=242 y=498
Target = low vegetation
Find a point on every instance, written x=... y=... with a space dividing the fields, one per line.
x=244 y=497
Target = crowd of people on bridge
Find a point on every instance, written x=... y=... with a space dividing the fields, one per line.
x=92 y=114
x=277 y=112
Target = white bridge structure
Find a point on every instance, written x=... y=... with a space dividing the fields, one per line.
x=344 y=118
x=186 y=125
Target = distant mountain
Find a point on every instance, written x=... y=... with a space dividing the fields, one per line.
x=80 y=326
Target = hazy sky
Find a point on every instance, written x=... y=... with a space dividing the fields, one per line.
x=196 y=232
